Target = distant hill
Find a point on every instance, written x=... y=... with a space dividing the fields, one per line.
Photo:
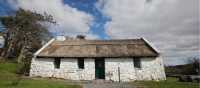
x=187 y=69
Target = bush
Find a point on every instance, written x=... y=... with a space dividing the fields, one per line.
x=24 y=68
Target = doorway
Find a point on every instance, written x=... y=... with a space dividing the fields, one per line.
x=100 y=68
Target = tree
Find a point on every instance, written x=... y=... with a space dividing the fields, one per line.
x=195 y=65
x=24 y=34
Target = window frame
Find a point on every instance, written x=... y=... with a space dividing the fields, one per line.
x=57 y=62
x=81 y=63
x=137 y=63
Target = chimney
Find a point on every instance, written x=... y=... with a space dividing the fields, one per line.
x=60 y=38
x=80 y=37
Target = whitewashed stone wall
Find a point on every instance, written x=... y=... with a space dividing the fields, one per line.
x=44 y=67
x=127 y=71
x=152 y=69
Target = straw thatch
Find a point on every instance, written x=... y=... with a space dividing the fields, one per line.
x=98 y=48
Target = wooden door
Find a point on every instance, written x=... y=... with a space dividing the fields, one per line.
x=100 y=68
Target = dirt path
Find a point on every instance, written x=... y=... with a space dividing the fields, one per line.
x=104 y=84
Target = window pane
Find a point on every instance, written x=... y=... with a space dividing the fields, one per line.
x=57 y=63
x=81 y=63
x=137 y=62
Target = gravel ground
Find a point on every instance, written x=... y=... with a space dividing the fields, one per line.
x=106 y=84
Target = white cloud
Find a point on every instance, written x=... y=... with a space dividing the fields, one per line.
x=92 y=36
x=70 y=21
x=172 y=25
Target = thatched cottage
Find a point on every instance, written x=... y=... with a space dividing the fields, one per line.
x=81 y=59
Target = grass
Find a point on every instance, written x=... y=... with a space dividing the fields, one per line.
x=169 y=83
x=9 y=79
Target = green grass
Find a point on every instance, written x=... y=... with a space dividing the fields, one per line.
x=169 y=83
x=9 y=79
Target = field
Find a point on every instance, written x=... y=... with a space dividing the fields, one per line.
x=8 y=79
x=169 y=83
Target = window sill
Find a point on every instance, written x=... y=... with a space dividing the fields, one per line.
x=57 y=68
x=80 y=69
x=138 y=68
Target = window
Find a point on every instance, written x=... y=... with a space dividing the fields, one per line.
x=80 y=63
x=57 y=63
x=137 y=62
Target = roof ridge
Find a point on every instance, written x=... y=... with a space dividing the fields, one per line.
x=103 y=40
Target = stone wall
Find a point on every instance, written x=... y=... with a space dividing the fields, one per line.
x=123 y=66
x=44 y=67
x=152 y=69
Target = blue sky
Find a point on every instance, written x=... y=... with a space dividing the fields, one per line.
x=87 y=6
x=4 y=7
x=171 y=25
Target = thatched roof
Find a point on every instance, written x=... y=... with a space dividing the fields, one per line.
x=98 y=48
